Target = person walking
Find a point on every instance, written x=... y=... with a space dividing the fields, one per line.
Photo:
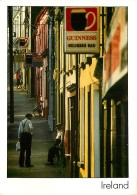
x=25 y=133
x=18 y=80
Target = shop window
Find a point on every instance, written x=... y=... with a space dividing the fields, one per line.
x=118 y=140
x=113 y=138
x=122 y=139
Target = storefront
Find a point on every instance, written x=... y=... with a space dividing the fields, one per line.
x=115 y=98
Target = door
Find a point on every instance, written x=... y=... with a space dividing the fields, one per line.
x=73 y=128
x=89 y=134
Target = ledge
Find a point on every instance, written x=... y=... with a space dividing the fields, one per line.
x=99 y=68
x=71 y=71
x=67 y=155
x=82 y=65
x=74 y=67
x=71 y=88
x=88 y=60
x=80 y=165
x=67 y=73
x=45 y=53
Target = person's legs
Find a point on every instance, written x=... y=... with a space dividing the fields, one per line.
x=22 y=150
x=57 y=154
x=28 y=149
x=16 y=83
x=51 y=155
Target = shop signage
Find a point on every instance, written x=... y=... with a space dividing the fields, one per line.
x=23 y=42
x=19 y=58
x=37 y=61
x=29 y=58
x=27 y=66
x=115 y=56
x=37 y=64
x=81 y=30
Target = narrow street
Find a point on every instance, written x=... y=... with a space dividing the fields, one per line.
x=42 y=140
x=73 y=61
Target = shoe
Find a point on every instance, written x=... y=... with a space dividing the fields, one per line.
x=21 y=165
x=49 y=164
x=29 y=165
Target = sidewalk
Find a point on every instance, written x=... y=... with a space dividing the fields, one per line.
x=42 y=140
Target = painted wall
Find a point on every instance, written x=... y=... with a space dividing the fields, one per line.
x=88 y=80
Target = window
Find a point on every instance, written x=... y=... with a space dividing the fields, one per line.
x=83 y=126
x=61 y=103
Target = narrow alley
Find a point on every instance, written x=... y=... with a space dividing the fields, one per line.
x=42 y=140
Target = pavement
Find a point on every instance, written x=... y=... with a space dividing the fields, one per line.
x=42 y=140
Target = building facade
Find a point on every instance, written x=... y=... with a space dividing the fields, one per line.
x=94 y=89
x=21 y=30
x=115 y=97
x=41 y=66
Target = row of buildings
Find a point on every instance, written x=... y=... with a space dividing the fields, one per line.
x=83 y=85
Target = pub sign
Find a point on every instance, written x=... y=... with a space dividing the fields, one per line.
x=23 y=42
x=81 y=30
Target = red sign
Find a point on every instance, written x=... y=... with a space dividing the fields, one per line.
x=81 y=30
x=23 y=42
x=115 y=49
x=81 y=19
x=113 y=54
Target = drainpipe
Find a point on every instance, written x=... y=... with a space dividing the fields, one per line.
x=101 y=107
x=64 y=108
x=76 y=130
x=58 y=68
x=103 y=30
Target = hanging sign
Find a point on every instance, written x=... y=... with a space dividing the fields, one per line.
x=37 y=61
x=19 y=58
x=37 y=64
x=29 y=58
x=23 y=42
x=81 y=30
